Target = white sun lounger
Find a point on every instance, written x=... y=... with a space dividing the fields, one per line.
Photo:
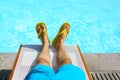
x=27 y=55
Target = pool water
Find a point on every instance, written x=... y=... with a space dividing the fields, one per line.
x=95 y=25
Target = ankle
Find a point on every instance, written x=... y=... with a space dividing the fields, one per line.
x=45 y=41
x=59 y=46
x=45 y=46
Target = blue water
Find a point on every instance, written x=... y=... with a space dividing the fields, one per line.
x=95 y=25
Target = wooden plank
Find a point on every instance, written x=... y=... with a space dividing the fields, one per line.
x=94 y=76
x=103 y=76
x=11 y=75
x=107 y=76
x=115 y=76
x=98 y=76
x=110 y=75
x=90 y=78
x=118 y=75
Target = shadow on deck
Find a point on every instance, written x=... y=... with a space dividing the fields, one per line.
x=4 y=74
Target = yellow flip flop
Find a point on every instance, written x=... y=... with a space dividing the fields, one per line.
x=41 y=31
x=61 y=32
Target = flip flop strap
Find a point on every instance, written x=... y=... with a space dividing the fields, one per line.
x=44 y=33
x=41 y=32
x=64 y=31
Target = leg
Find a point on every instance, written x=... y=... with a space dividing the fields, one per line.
x=42 y=72
x=43 y=57
x=68 y=71
x=62 y=55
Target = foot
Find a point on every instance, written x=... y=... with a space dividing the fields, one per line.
x=62 y=36
x=43 y=36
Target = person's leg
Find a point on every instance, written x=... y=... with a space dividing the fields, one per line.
x=42 y=69
x=66 y=70
x=62 y=55
x=43 y=57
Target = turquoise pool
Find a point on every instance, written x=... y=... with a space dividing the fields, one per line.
x=95 y=25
